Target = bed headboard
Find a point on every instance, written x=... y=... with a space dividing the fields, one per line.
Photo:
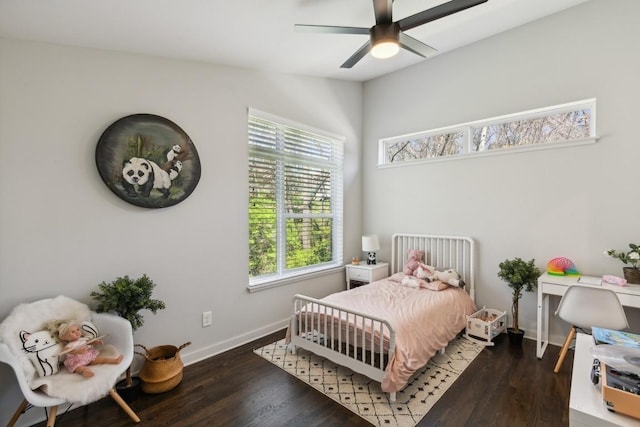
x=441 y=252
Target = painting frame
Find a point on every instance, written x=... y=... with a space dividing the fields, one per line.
x=148 y=161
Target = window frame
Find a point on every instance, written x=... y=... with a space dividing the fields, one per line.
x=283 y=275
x=467 y=131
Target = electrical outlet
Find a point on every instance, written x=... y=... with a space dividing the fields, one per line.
x=207 y=319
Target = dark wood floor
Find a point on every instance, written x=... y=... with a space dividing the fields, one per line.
x=504 y=386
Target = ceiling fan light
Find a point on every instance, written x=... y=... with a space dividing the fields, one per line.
x=385 y=49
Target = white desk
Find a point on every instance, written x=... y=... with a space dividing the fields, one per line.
x=586 y=408
x=629 y=296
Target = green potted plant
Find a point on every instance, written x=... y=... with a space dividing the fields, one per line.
x=631 y=258
x=521 y=276
x=126 y=297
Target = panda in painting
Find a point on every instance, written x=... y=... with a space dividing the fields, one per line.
x=145 y=175
x=175 y=170
x=173 y=153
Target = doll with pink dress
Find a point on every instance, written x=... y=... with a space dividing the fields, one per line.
x=79 y=353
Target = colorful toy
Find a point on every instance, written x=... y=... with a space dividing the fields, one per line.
x=562 y=266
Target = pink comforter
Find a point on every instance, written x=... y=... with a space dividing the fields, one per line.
x=424 y=321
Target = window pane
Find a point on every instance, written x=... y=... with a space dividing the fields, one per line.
x=308 y=241
x=307 y=190
x=262 y=133
x=307 y=144
x=262 y=217
x=426 y=147
x=567 y=126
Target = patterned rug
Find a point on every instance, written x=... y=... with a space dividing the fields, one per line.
x=363 y=396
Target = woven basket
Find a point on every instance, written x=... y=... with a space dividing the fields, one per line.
x=162 y=368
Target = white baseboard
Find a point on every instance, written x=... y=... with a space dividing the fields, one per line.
x=189 y=358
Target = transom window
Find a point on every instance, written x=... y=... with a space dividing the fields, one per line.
x=572 y=123
x=295 y=199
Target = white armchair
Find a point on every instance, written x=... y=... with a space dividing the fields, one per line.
x=63 y=387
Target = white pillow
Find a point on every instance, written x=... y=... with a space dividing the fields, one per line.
x=43 y=350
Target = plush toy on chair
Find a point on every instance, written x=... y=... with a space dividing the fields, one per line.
x=414 y=260
x=450 y=277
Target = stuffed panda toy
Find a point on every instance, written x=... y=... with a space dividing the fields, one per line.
x=145 y=175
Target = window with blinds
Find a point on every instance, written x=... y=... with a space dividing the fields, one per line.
x=295 y=199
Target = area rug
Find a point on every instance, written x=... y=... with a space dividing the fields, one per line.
x=363 y=396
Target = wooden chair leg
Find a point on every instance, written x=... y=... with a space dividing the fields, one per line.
x=53 y=411
x=124 y=405
x=17 y=414
x=565 y=348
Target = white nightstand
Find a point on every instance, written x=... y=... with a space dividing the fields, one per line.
x=358 y=275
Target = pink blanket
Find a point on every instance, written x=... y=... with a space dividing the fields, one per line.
x=424 y=321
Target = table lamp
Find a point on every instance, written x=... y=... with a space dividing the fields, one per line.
x=370 y=245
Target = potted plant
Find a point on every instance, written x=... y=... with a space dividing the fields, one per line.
x=521 y=276
x=632 y=258
x=126 y=297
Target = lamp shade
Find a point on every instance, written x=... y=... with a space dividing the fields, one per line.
x=370 y=243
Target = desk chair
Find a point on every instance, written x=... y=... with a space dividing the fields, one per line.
x=587 y=306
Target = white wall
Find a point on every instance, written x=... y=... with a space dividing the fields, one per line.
x=573 y=202
x=63 y=231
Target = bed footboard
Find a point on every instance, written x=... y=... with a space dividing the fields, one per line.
x=360 y=342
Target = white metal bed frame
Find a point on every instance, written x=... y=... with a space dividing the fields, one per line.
x=324 y=330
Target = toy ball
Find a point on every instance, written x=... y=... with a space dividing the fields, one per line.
x=562 y=266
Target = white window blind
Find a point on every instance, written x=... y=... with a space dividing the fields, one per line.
x=295 y=199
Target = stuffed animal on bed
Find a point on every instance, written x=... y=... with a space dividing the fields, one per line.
x=450 y=277
x=424 y=271
x=414 y=259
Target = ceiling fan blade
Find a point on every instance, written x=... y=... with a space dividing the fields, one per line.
x=445 y=9
x=361 y=53
x=416 y=46
x=383 y=11
x=302 y=28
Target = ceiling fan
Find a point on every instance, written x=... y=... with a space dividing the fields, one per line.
x=386 y=36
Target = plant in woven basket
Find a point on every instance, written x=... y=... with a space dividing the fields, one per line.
x=127 y=297
x=520 y=276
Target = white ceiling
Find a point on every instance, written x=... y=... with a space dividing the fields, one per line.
x=257 y=34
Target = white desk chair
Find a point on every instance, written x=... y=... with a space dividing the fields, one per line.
x=34 y=315
x=587 y=306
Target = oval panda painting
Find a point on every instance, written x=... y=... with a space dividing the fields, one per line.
x=148 y=161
